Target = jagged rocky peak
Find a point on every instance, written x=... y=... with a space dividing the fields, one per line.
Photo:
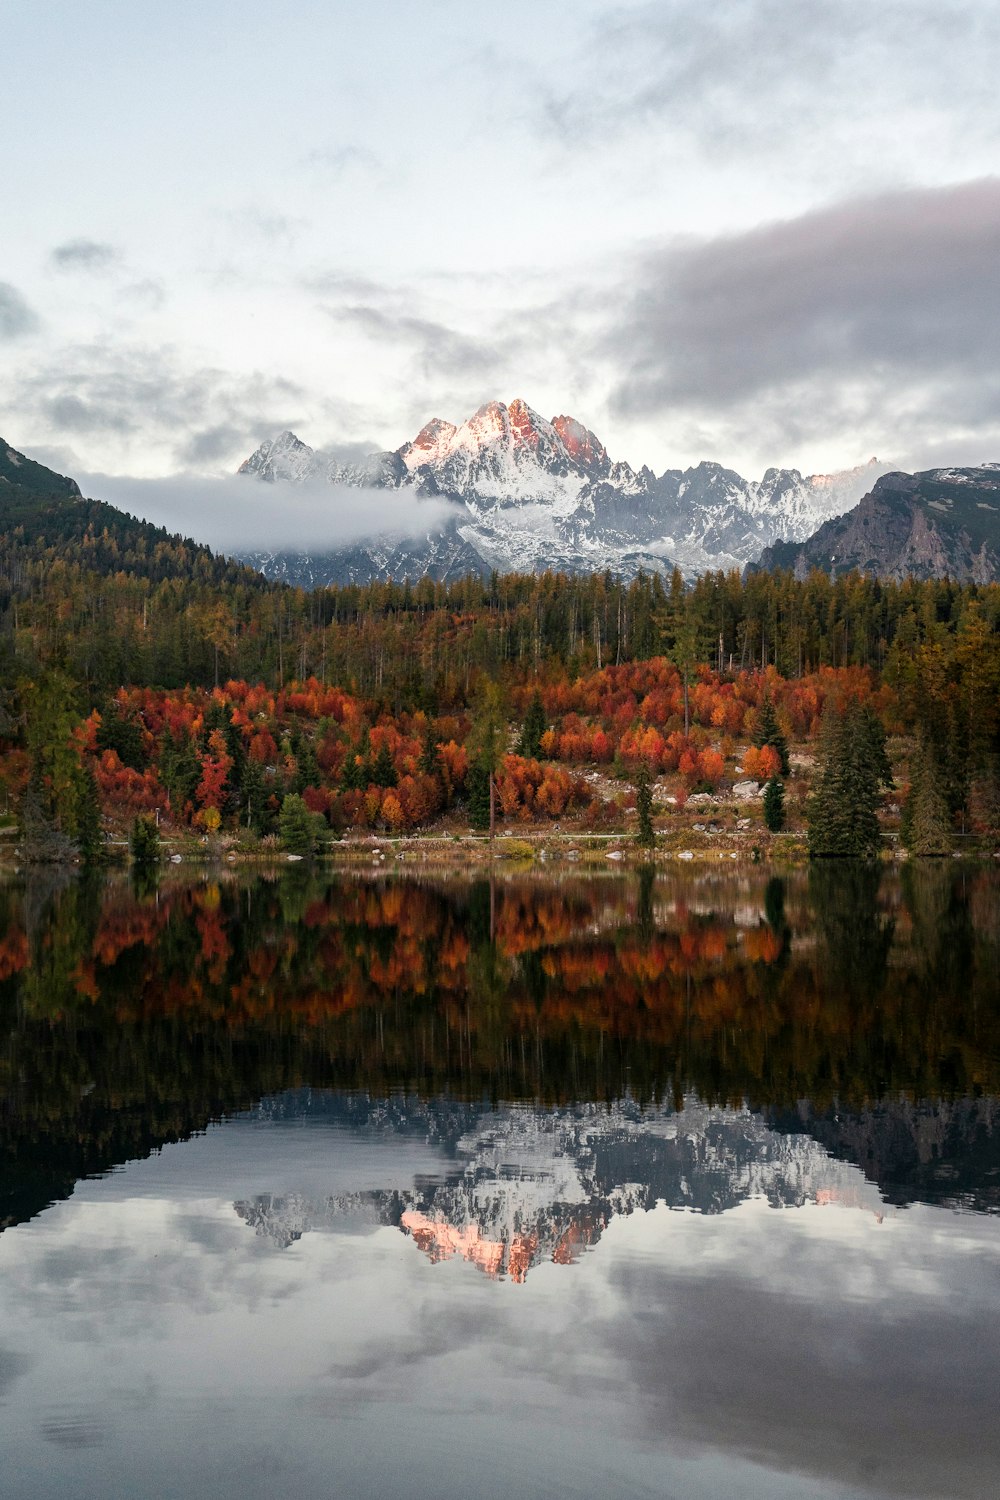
x=581 y=445
x=431 y=444
x=847 y=477
x=526 y=493
x=282 y=457
x=500 y=441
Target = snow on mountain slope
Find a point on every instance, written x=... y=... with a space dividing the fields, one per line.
x=531 y=494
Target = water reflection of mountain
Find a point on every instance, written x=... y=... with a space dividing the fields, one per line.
x=520 y=1186
x=947 y=1152
x=128 y=1021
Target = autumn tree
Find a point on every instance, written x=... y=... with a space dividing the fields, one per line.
x=768 y=732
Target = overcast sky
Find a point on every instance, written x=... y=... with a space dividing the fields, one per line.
x=758 y=231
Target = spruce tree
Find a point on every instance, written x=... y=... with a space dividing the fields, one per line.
x=843 y=810
x=306 y=766
x=383 y=770
x=774 y=805
x=254 y=811
x=477 y=792
x=768 y=732
x=299 y=827
x=644 y=807
x=534 y=726
x=486 y=744
x=925 y=827
x=144 y=841
x=89 y=836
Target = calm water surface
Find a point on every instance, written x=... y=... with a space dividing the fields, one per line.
x=670 y=1186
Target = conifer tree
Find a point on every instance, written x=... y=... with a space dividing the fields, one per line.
x=486 y=745
x=383 y=770
x=774 y=805
x=768 y=732
x=144 y=841
x=644 y=807
x=843 y=810
x=88 y=818
x=299 y=827
x=254 y=790
x=925 y=827
x=534 y=726
x=306 y=766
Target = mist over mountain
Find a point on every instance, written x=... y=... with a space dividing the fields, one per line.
x=517 y=492
x=509 y=491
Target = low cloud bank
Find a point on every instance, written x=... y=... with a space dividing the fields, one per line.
x=238 y=514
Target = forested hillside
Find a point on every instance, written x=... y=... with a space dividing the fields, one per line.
x=140 y=673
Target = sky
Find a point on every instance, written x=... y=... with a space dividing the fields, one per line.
x=757 y=231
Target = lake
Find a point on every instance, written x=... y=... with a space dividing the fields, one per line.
x=639 y=1184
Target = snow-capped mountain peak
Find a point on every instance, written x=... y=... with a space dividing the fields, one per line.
x=431 y=444
x=283 y=457
x=531 y=494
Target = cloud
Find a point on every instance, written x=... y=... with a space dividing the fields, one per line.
x=68 y=413
x=13 y=1364
x=241 y=514
x=148 y=293
x=16 y=317
x=147 y=395
x=888 y=304
x=435 y=347
x=837 y=1388
x=91 y=256
x=337 y=161
x=740 y=76
x=270 y=227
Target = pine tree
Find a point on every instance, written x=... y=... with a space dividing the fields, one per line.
x=644 y=807
x=477 y=792
x=774 y=805
x=254 y=814
x=144 y=841
x=89 y=834
x=534 y=726
x=306 y=766
x=843 y=810
x=925 y=827
x=299 y=827
x=180 y=770
x=383 y=770
x=486 y=745
x=768 y=732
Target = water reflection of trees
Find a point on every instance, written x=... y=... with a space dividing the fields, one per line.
x=132 y=1016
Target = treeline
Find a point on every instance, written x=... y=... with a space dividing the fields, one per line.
x=138 y=672
x=112 y=604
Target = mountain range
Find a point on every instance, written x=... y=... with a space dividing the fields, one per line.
x=522 y=493
x=509 y=491
x=941 y=521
